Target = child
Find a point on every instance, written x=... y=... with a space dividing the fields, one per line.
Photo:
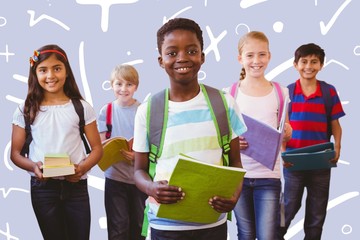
x=124 y=202
x=256 y=210
x=190 y=130
x=309 y=122
x=61 y=204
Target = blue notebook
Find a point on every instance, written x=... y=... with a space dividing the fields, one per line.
x=310 y=158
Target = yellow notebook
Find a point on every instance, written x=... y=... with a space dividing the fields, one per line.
x=112 y=154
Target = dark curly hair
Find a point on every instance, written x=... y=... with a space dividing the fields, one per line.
x=35 y=93
x=308 y=50
x=179 y=23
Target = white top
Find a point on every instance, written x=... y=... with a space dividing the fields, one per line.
x=56 y=130
x=263 y=109
x=190 y=130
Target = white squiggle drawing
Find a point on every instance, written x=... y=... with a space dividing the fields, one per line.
x=7 y=193
x=83 y=74
x=343 y=162
x=20 y=78
x=103 y=223
x=315 y=2
x=96 y=182
x=355 y=51
x=214 y=42
x=165 y=20
x=34 y=21
x=241 y=25
x=2 y=21
x=134 y=62
x=105 y=8
x=7 y=53
x=333 y=203
x=336 y=62
x=7 y=234
x=346 y=229
x=325 y=28
x=6 y=153
x=249 y=3
x=14 y=99
x=279 y=69
x=205 y=3
x=201 y=78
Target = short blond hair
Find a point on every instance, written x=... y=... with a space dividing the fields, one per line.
x=125 y=72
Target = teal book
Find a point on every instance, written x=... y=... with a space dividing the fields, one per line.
x=200 y=181
x=310 y=158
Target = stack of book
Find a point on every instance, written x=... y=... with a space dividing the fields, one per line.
x=56 y=165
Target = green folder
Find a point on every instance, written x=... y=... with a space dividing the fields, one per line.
x=310 y=158
x=200 y=181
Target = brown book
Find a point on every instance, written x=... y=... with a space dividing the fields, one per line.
x=56 y=165
x=112 y=154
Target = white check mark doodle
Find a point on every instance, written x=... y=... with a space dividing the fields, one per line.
x=325 y=28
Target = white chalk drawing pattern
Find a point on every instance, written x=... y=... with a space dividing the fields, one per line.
x=7 y=53
x=2 y=21
x=83 y=74
x=34 y=21
x=357 y=50
x=331 y=204
x=242 y=25
x=7 y=233
x=249 y=3
x=7 y=193
x=165 y=19
x=105 y=8
x=324 y=28
x=214 y=43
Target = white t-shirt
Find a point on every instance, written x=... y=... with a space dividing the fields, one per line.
x=56 y=130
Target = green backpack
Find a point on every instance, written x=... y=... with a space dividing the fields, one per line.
x=157 y=116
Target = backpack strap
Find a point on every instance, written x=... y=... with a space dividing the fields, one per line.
x=157 y=116
x=325 y=90
x=25 y=149
x=79 y=108
x=280 y=99
x=234 y=88
x=108 y=120
x=220 y=116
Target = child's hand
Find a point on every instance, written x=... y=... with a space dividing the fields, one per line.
x=287 y=132
x=336 y=157
x=38 y=170
x=242 y=143
x=222 y=205
x=79 y=171
x=287 y=164
x=163 y=193
x=129 y=156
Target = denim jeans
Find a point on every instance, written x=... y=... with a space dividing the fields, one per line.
x=124 y=205
x=62 y=208
x=257 y=209
x=317 y=183
x=215 y=233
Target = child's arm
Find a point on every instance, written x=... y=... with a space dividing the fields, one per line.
x=17 y=142
x=92 y=135
x=160 y=191
x=337 y=133
x=223 y=204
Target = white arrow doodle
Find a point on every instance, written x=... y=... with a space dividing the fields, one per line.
x=249 y=3
x=325 y=28
x=34 y=21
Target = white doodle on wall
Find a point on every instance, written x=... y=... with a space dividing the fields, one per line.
x=278 y=26
x=336 y=62
x=325 y=28
x=34 y=21
x=346 y=229
x=7 y=53
x=6 y=153
x=241 y=25
x=249 y=3
x=84 y=80
x=165 y=19
x=213 y=46
x=7 y=234
x=105 y=8
x=12 y=189
x=331 y=204
x=2 y=21
x=15 y=99
x=357 y=50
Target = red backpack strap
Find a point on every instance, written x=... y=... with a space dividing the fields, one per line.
x=108 y=120
x=233 y=89
x=280 y=98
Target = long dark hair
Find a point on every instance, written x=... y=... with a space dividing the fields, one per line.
x=35 y=93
